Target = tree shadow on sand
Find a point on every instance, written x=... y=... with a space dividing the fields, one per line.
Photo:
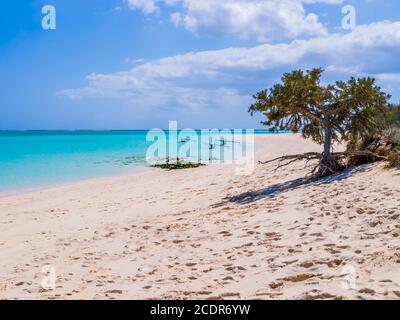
x=278 y=188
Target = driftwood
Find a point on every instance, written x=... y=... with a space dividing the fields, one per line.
x=177 y=164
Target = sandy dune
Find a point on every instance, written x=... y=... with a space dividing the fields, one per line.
x=208 y=233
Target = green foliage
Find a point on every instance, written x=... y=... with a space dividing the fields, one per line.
x=393 y=117
x=323 y=113
x=388 y=120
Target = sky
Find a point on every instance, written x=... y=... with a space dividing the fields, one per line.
x=138 y=64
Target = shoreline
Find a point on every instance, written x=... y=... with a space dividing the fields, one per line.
x=207 y=233
x=137 y=169
x=74 y=182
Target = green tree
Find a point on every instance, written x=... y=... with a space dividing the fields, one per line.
x=324 y=113
x=393 y=118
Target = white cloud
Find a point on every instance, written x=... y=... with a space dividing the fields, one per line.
x=353 y=69
x=147 y=6
x=389 y=77
x=250 y=19
x=202 y=78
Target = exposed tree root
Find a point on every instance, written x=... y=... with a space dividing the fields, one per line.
x=337 y=162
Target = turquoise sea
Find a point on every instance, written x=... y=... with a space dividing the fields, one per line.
x=30 y=159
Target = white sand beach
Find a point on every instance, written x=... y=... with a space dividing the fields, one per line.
x=207 y=233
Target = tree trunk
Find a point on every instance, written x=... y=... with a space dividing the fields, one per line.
x=327 y=139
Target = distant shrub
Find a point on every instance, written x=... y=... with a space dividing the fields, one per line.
x=394 y=159
x=385 y=146
x=393 y=117
x=393 y=134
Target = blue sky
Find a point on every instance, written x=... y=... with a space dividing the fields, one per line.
x=136 y=64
